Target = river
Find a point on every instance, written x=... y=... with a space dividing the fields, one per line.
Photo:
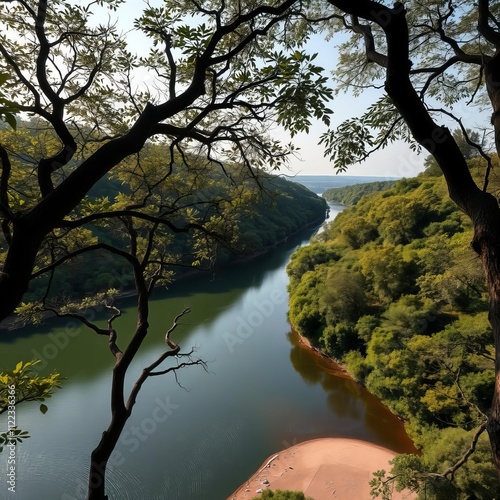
x=200 y=437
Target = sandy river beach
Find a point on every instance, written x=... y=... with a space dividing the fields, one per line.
x=323 y=469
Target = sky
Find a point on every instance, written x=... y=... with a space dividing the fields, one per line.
x=397 y=160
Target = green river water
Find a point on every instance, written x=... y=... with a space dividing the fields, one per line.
x=198 y=439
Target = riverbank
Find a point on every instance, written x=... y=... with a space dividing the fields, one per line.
x=13 y=322
x=323 y=469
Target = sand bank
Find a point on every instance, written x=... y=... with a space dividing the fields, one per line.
x=323 y=469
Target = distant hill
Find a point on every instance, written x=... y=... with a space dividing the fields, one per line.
x=263 y=219
x=320 y=183
x=350 y=195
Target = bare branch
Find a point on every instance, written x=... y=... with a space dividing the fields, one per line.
x=115 y=350
x=453 y=469
x=79 y=317
x=41 y=62
x=187 y=310
x=147 y=372
x=72 y=255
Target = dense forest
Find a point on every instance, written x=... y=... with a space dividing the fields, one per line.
x=262 y=211
x=393 y=290
x=350 y=195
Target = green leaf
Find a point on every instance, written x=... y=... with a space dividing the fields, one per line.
x=43 y=408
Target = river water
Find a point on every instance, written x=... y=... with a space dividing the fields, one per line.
x=200 y=437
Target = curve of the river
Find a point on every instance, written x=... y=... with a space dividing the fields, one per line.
x=200 y=438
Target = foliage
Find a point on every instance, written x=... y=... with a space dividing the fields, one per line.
x=406 y=311
x=350 y=195
x=474 y=479
x=23 y=384
x=247 y=218
x=28 y=384
x=282 y=495
x=446 y=45
x=12 y=436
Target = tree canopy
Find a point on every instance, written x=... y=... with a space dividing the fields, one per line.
x=409 y=320
x=218 y=75
x=218 y=86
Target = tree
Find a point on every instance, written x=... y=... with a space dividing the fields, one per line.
x=216 y=89
x=428 y=56
x=214 y=84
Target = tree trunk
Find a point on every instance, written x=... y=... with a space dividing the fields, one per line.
x=487 y=244
x=100 y=457
x=492 y=73
x=120 y=411
x=16 y=275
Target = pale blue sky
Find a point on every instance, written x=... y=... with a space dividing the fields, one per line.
x=395 y=161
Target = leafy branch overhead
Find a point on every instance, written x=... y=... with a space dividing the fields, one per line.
x=357 y=138
x=451 y=48
x=206 y=91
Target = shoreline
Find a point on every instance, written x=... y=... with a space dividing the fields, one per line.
x=323 y=469
x=11 y=324
x=337 y=368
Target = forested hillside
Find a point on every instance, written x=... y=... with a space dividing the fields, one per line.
x=393 y=290
x=262 y=218
x=247 y=211
x=350 y=195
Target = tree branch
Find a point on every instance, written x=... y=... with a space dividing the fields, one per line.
x=146 y=372
x=366 y=32
x=72 y=255
x=483 y=25
x=79 y=317
x=451 y=470
x=436 y=139
x=115 y=350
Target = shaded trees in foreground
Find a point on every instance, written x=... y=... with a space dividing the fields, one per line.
x=202 y=96
x=218 y=86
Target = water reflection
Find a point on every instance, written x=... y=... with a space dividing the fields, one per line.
x=262 y=396
x=348 y=400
